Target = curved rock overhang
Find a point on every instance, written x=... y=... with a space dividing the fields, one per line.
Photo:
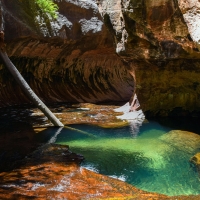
x=70 y=59
x=74 y=58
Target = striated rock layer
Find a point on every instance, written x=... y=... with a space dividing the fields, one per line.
x=71 y=59
x=99 y=51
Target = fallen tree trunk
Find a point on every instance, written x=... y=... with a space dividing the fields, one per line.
x=26 y=88
x=21 y=81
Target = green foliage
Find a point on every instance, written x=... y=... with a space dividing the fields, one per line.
x=48 y=7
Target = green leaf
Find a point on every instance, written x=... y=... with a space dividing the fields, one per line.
x=48 y=7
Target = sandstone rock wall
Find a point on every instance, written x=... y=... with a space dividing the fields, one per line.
x=70 y=59
x=160 y=41
x=191 y=15
x=96 y=50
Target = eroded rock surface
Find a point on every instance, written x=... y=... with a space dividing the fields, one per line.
x=71 y=59
x=191 y=14
x=54 y=180
x=182 y=140
x=74 y=57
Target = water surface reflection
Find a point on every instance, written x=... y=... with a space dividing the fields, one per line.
x=149 y=157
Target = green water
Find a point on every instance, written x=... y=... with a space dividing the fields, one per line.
x=140 y=156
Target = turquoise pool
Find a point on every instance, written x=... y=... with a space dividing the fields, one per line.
x=147 y=156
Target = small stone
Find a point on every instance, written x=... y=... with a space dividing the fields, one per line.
x=195 y=161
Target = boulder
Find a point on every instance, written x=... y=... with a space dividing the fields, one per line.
x=182 y=140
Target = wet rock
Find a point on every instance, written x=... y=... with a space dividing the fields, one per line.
x=58 y=181
x=182 y=140
x=54 y=153
x=195 y=161
x=56 y=64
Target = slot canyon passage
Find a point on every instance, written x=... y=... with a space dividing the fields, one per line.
x=92 y=58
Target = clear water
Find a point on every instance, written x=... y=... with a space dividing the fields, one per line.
x=138 y=156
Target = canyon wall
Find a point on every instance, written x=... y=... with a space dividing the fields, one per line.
x=70 y=59
x=159 y=40
x=97 y=51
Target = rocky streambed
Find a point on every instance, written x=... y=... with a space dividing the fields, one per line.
x=32 y=169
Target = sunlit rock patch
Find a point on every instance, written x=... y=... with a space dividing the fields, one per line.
x=54 y=180
x=190 y=10
x=84 y=113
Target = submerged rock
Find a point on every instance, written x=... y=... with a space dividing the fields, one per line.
x=54 y=153
x=69 y=59
x=182 y=140
x=196 y=159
